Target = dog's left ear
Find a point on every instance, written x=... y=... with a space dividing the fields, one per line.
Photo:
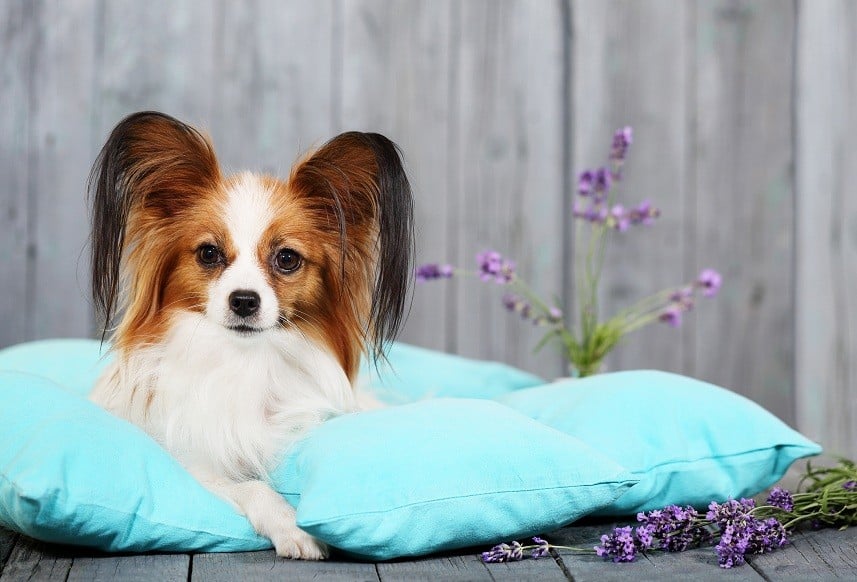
x=358 y=178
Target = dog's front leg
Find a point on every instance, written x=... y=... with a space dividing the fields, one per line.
x=270 y=515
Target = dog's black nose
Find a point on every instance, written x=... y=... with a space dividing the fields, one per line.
x=244 y=303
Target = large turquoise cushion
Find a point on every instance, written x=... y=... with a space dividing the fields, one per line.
x=689 y=442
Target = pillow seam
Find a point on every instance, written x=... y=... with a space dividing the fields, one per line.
x=328 y=519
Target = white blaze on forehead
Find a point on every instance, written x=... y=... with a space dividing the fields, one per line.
x=247 y=213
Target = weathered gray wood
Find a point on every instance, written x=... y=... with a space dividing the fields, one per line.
x=745 y=197
x=509 y=171
x=142 y=568
x=156 y=56
x=263 y=566
x=7 y=542
x=696 y=564
x=534 y=570
x=615 y=81
x=273 y=82
x=826 y=331
x=61 y=149
x=813 y=555
x=38 y=562
x=396 y=80
x=17 y=37
x=467 y=567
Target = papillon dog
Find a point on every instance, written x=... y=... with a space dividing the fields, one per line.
x=245 y=302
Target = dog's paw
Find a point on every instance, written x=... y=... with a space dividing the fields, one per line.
x=296 y=544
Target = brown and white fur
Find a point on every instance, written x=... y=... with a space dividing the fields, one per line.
x=246 y=301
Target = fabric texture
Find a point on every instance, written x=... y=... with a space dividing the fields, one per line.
x=443 y=474
x=688 y=441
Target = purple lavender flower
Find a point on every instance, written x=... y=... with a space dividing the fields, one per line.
x=618 y=546
x=603 y=182
x=542 y=549
x=850 y=485
x=493 y=267
x=554 y=315
x=730 y=511
x=646 y=536
x=622 y=139
x=674 y=527
x=504 y=553
x=745 y=534
x=517 y=304
x=732 y=546
x=620 y=219
x=431 y=271
x=644 y=213
x=781 y=498
x=585 y=182
x=768 y=535
x=710 y=281
x=671 y=315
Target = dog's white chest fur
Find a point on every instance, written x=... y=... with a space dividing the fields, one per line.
x=224 y=404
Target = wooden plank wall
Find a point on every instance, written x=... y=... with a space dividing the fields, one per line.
x=743 y=112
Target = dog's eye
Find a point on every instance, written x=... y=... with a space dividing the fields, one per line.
x=209 y=255
x=288 y=260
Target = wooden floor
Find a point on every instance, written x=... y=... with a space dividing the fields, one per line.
x=820 y=555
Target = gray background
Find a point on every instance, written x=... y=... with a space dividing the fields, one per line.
x=744 y=114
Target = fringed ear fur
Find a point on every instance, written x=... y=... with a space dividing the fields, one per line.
x=361 y=178
x=152 y=159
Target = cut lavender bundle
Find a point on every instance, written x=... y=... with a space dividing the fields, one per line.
x=736 y=528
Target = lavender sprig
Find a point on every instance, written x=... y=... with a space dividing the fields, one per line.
x=514 y=551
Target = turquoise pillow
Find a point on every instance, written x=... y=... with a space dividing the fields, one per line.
x=74 y=364
x=414 y=373
x=443 y=474
x=689 y=442
x=71 y=473
x=388 y=483
x=410 y=374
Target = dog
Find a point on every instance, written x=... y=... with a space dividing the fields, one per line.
x=244 y=303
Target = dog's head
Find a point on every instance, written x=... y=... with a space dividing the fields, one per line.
x=326 y=251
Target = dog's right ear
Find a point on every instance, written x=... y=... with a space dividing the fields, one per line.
x=150 y=160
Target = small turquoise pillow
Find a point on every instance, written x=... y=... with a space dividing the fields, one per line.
x=71 y=473
x=443 y=474
x=689 y=442
x=413 y=373
x=401 y=481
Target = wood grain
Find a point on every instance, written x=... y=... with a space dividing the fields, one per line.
x=811 y=556
x=37 y=562
x=7 y=542
x=745 y=198
x=162 y=567
x=262 y=566
x=272 y=83
x=61 y=153
x=509 y=179
x=467 y=567
x=17 y=37
x=826 y=331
